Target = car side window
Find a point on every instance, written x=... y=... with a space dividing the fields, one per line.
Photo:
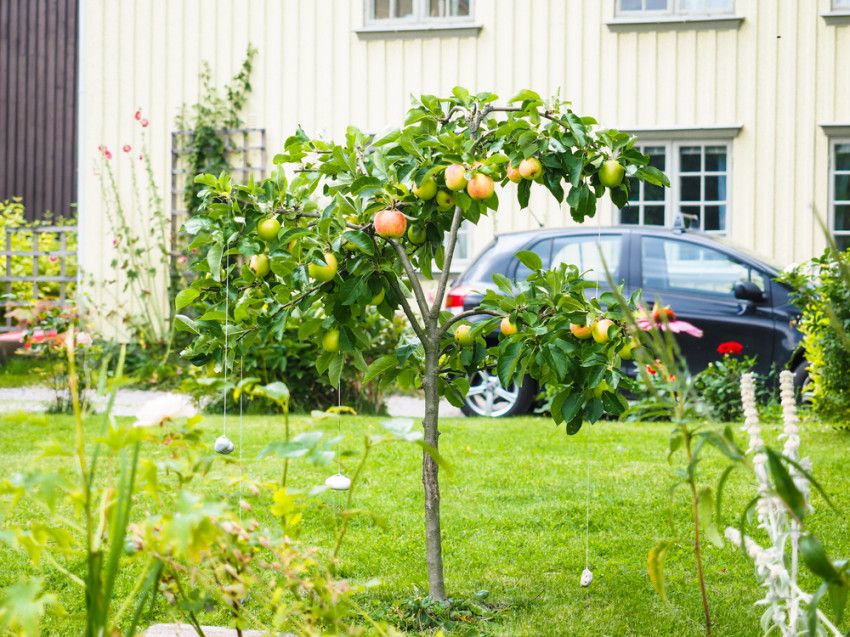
x=588 y=252
x=681 y=266
x=542 y=249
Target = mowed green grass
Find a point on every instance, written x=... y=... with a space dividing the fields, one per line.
x=513 y=521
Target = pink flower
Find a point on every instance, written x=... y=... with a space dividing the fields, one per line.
x=53 y=258
x=138 y=115
x=84 y=339
x=665 y=320
x=141 y=157
x=182 y=259
x=107 y=154
x=127 y=148
x=145 y=123
x=114 y=241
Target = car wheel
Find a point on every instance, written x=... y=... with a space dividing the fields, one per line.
x=487 y=397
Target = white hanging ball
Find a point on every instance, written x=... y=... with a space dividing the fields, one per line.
x=338 y=482
x=224 y=445
x=586 y=577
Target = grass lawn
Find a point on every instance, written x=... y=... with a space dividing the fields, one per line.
x=513 y=522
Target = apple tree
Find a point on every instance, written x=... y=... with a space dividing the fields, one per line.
x=357 y=227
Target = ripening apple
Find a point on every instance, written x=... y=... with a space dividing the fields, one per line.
x=268 y=228
x=582 y=332
x=417 y=234
x=390 y=223
x=514 y=174
x=323 y=272
x=507 y=327
x=427 y=190
x=601 y=329
x=480 y=186
x=445 y=201
x=259 y=263
x=455 y=176
x=627 y=351
x=463 y=335
x=611 y=173
x=530 y=168
x=378 y=298
x=330 y=341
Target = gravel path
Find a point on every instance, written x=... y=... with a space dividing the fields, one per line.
x=128 y=401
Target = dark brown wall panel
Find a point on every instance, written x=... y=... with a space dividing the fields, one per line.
x=38 y=104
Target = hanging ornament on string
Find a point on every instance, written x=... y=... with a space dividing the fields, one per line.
x=338 y=481
x=223 y=444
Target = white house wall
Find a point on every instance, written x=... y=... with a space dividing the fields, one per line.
x=778 y=73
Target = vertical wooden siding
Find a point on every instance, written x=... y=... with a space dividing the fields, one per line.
x=38 y=70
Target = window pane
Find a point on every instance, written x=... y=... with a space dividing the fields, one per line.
x=653 y=193
x=715 y=158
x=842 y=155
x=657 y=156
x=656 y=5
x=677 y=265
x=841 y=4
x=584 y=252
x=715 y=188
x=403 y=8
x=843 y=241
x=842 y=218
x=458 y=7
x=628 y=5
x=715 y=218
x=653 y=215
x=382 y=9
x=690 y=159
x=629 y=214
x=690 y=188
x=705 y=6
x=634 y=189
x=842 y=187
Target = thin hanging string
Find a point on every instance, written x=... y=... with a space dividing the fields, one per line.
x=241 y=465
x=587 y=506
x=339 y=428
x=226 y=317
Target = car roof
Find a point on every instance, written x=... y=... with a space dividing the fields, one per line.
x=694 y=236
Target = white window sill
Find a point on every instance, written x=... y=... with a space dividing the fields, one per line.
x=840 y=16
x=712 y=132
x=377 y=31
x=649 y=23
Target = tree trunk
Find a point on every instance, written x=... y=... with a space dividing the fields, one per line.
x=430 y=478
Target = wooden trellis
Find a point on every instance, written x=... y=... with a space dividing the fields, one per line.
x=65 y=258
x=246 y=155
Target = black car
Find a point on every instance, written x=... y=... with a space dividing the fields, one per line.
x=728 y=293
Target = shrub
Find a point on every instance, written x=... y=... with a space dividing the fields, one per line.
x=719 y=384
x=822 y=292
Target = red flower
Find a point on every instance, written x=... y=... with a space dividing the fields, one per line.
x=138 y=115
x=107 y=154
x=730 y=347
x=127 y=148
x=651 y=370
x=145 y=123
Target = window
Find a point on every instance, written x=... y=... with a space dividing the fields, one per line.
x=840 y=4
x=699 y=186
x=647 y=203
x=675 y=7
x=417 y=12
x=681 y=266
x=592 y=254
x=840 y=193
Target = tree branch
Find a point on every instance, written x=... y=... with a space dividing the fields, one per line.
x=414 y=280
x=408 y=311
x=447 y=262
x=476 y=311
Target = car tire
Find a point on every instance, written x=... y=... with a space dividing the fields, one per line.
x=487 y=395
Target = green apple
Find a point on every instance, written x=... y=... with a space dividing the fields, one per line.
x=463 y=335
x=507 y=327
x=417 y=234
x=601 y=330
x=611 y=173
x=378 y=298
x=259 y=263
x=426 y=190
x=330 y=341
x=445 y=200
x=268 y=228
x=323 y=272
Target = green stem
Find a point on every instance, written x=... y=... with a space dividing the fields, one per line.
x=697 y=549
x=354 y=479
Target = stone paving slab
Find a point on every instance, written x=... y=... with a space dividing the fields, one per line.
x=185 y=630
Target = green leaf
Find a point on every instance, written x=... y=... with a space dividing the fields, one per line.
x=655 y=567
x=360 y=239
x=524 y=96
x=571 y=405
x=523 y=193
x=335 y=369
x=379 y=366
x=214 y=261
x=705 y=501
x=529 y=259
x=186 y=324
x=23 y=606
x=507 y=362
x=185 y=297
x=784 y=484
x=812 y=607
x=277 y=392
x=814 y=555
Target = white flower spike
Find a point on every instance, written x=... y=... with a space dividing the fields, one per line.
x=164 y=408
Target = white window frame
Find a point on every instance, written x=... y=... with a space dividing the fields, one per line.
x=420 y=17
x=833 y=171
x=673 y=198
x=641 y=203
x=674 y=8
